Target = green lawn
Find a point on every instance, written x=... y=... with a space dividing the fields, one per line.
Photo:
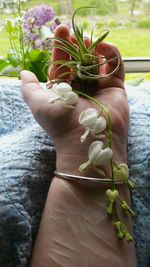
x=131 y=42
x=134 y=42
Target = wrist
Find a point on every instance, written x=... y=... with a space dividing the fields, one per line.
x=69 y=160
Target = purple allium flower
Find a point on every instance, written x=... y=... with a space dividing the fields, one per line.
x=33 y=20
x=38 y=16
x=38 y=44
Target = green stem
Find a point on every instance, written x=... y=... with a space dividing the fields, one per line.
x=108 y=118
x=21 y=43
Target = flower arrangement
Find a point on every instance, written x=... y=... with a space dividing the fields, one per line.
x=95 y=121
x=29 y=35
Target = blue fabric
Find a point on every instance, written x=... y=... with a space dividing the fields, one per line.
x=139 y=165
x=27 y=162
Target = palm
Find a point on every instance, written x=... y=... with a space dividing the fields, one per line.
x=62 y=124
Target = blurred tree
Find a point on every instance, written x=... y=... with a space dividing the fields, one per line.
x=104 y=7
x=66 y=7
x=133 y=2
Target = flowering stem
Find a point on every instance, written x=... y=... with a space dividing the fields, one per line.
x=21 y=35
x=14 y=47
x=108 y=117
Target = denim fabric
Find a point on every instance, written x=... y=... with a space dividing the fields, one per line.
x=27 y=162
x=139 y=165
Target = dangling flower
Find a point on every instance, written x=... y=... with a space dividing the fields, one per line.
x=121 y=172
x=64 y=94
x=122 y=231
x=92 y=123
x=127 y=208
x=111 y=195
x=97 y=156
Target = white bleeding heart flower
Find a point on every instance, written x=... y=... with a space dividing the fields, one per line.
x=64 y=93
x=97 y=156
x=70 y=98
x=103 y=158
x=88 y=117
x=94 y=150
x=62 y=88
x=92 y=123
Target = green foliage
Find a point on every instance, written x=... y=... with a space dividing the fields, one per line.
x=136 y=81
x=84 y=58
x=113 y=23
x=85 y=25
x=38 y=63
x=107 y=6
x=104 y=7
x=100 y=24
x=12 y=58
x=144 y=23
x=4 y=63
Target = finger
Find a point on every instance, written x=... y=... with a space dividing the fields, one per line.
x=32 y=91
x=112 y=54
x=55 y=71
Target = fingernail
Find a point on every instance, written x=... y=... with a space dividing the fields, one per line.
x=24 y=74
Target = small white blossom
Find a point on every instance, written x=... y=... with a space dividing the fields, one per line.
x=64 y=93
x=92 y=123
x=97 y=156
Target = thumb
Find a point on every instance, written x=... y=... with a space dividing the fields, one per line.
x=32 y=92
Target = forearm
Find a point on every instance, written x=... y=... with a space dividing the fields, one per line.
x=75 y=230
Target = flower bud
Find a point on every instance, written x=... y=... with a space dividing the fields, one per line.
x=112 y=194
x=121 y=172
x=127 y=208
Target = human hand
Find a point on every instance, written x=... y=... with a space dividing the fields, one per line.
x=62 y=123
x=75 y=229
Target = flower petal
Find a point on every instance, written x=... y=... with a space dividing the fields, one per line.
x=94 y=150
x=54 y=99
x=88 y=117
x=70 y=98
x=63 y=88
x=104 y=156
x=100 y=125
x=84 y=166
x=101 y=172
x=84 y=136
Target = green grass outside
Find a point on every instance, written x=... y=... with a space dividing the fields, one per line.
x=133 y=42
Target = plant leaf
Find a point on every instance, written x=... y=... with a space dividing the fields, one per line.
x=4 y=63
x=135 y=82
x=100 y=39
x=77 y=33
x=12 y=58
x=75 y=56
x=67 y=45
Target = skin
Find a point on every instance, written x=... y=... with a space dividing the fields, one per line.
x=75 y=230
